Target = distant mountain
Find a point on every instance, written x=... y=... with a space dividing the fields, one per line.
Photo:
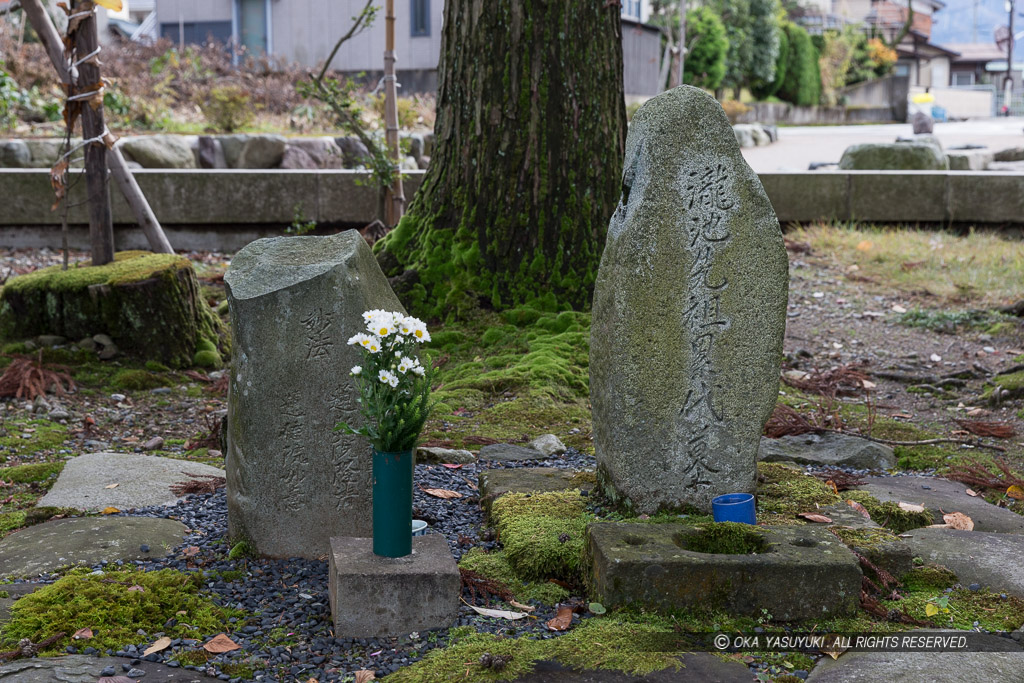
x=956 y=22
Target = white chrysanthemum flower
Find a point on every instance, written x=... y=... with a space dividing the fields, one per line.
x=357 y=370
x=407 y=324
x=360 y=339
x=372 y=344
x=386 y=377
x=406 y=365
x=418 y=370
x=370 y=315
x=420 y=333
x=393 y=380
x=381 y=325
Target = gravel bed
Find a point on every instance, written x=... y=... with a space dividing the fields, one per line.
x=289 y=597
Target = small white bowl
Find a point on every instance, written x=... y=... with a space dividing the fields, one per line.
x=419 y=527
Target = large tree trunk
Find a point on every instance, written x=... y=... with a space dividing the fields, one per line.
x=527 y=163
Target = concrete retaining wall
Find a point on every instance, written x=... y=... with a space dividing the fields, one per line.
x=224 y=210
x=777 y=112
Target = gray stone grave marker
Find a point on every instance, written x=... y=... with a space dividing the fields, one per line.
x=292 y=481
x=689 y=312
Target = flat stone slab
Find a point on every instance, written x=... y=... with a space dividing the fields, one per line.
x=945 y=496
x=507 y=451
x=912 y=667
x=366 y=590
x=90 y=540
x=698 y=666
x=805 y=572
x=86 y=669
x=142 y=481
x=495 y=483
x=987 y=558
x=836 y=450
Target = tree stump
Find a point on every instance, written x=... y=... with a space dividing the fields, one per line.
x=148 y=304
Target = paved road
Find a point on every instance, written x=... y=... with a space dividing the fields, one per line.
x=798 y=146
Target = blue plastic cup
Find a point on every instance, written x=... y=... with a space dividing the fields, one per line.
x=734 y=507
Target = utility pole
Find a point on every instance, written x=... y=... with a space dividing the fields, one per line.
x=974 y=26
x=395 y=206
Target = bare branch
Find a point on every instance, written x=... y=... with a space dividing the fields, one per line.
x=361 y=22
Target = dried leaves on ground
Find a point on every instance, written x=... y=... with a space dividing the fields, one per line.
x=996 y=430
x=979 y=476
x=198 y=483
x=843 y=380
x=27 y=378
x=482 y=588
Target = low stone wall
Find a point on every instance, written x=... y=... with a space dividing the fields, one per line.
x=777 y=112
x=225 y=210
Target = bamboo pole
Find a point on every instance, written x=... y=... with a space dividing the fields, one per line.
x=395 y=207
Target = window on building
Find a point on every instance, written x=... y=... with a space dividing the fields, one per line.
x=631 y=9
x=963 y=78
x=420 y=18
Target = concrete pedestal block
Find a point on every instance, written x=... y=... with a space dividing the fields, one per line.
x=798 y=573
x=373 y=596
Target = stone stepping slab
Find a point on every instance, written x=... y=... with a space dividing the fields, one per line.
x=507 y=451
x=987 y=558
x=86 y=669
x=699 y=666
x=945 y=496
x=88 y=541
x=14 y=591
x=498 y=482
x=917 y=667
x=142 y=481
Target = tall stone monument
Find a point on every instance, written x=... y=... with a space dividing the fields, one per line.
x=689 y=313
x=292 y=481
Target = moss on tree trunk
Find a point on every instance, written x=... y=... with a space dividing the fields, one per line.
x=527 y=164
x=148 y=304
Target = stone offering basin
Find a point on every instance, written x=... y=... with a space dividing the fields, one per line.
x=800 y=573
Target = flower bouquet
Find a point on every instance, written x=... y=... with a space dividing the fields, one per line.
x=394 y=400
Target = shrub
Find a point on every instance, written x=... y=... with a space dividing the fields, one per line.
x=226 y=108
x=802 y=82
x=704 y=66
x=734 y=109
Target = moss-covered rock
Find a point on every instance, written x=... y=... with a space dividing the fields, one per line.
x=148 y=304
x=889 y=514
x=783 y=490
x=544 y=534
x=135 y=380
x=495 y=565
x=726 y=538
x=930 y=577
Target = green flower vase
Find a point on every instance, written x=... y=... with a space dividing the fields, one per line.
x=392 y=503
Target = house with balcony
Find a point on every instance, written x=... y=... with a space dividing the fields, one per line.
x=304 y=32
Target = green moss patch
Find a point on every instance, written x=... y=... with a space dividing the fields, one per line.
x=929 y=578
x=782 y=490
x=544 y=534
x=25 y=474
x=127 y=267
x=889 y=514
x=961 y=608
x=614 y=642
x=19 y=519
x=495 y=565
x=135 y=380
x=725 y=538
x=865 y=538
x=1012 y=383
x=115 y=605
x=24 y=437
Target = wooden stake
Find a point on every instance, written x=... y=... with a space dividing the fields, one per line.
x=395 y=207
x=101 y=225
x=147 y=220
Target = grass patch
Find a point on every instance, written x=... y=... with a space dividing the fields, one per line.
x=114 y=607
x=136 y=380
x=980 y=267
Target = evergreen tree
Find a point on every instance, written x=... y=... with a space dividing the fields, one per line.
x=707 y=48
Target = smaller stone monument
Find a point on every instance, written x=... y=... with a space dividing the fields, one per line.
x=689 y=313
x=292 y=481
